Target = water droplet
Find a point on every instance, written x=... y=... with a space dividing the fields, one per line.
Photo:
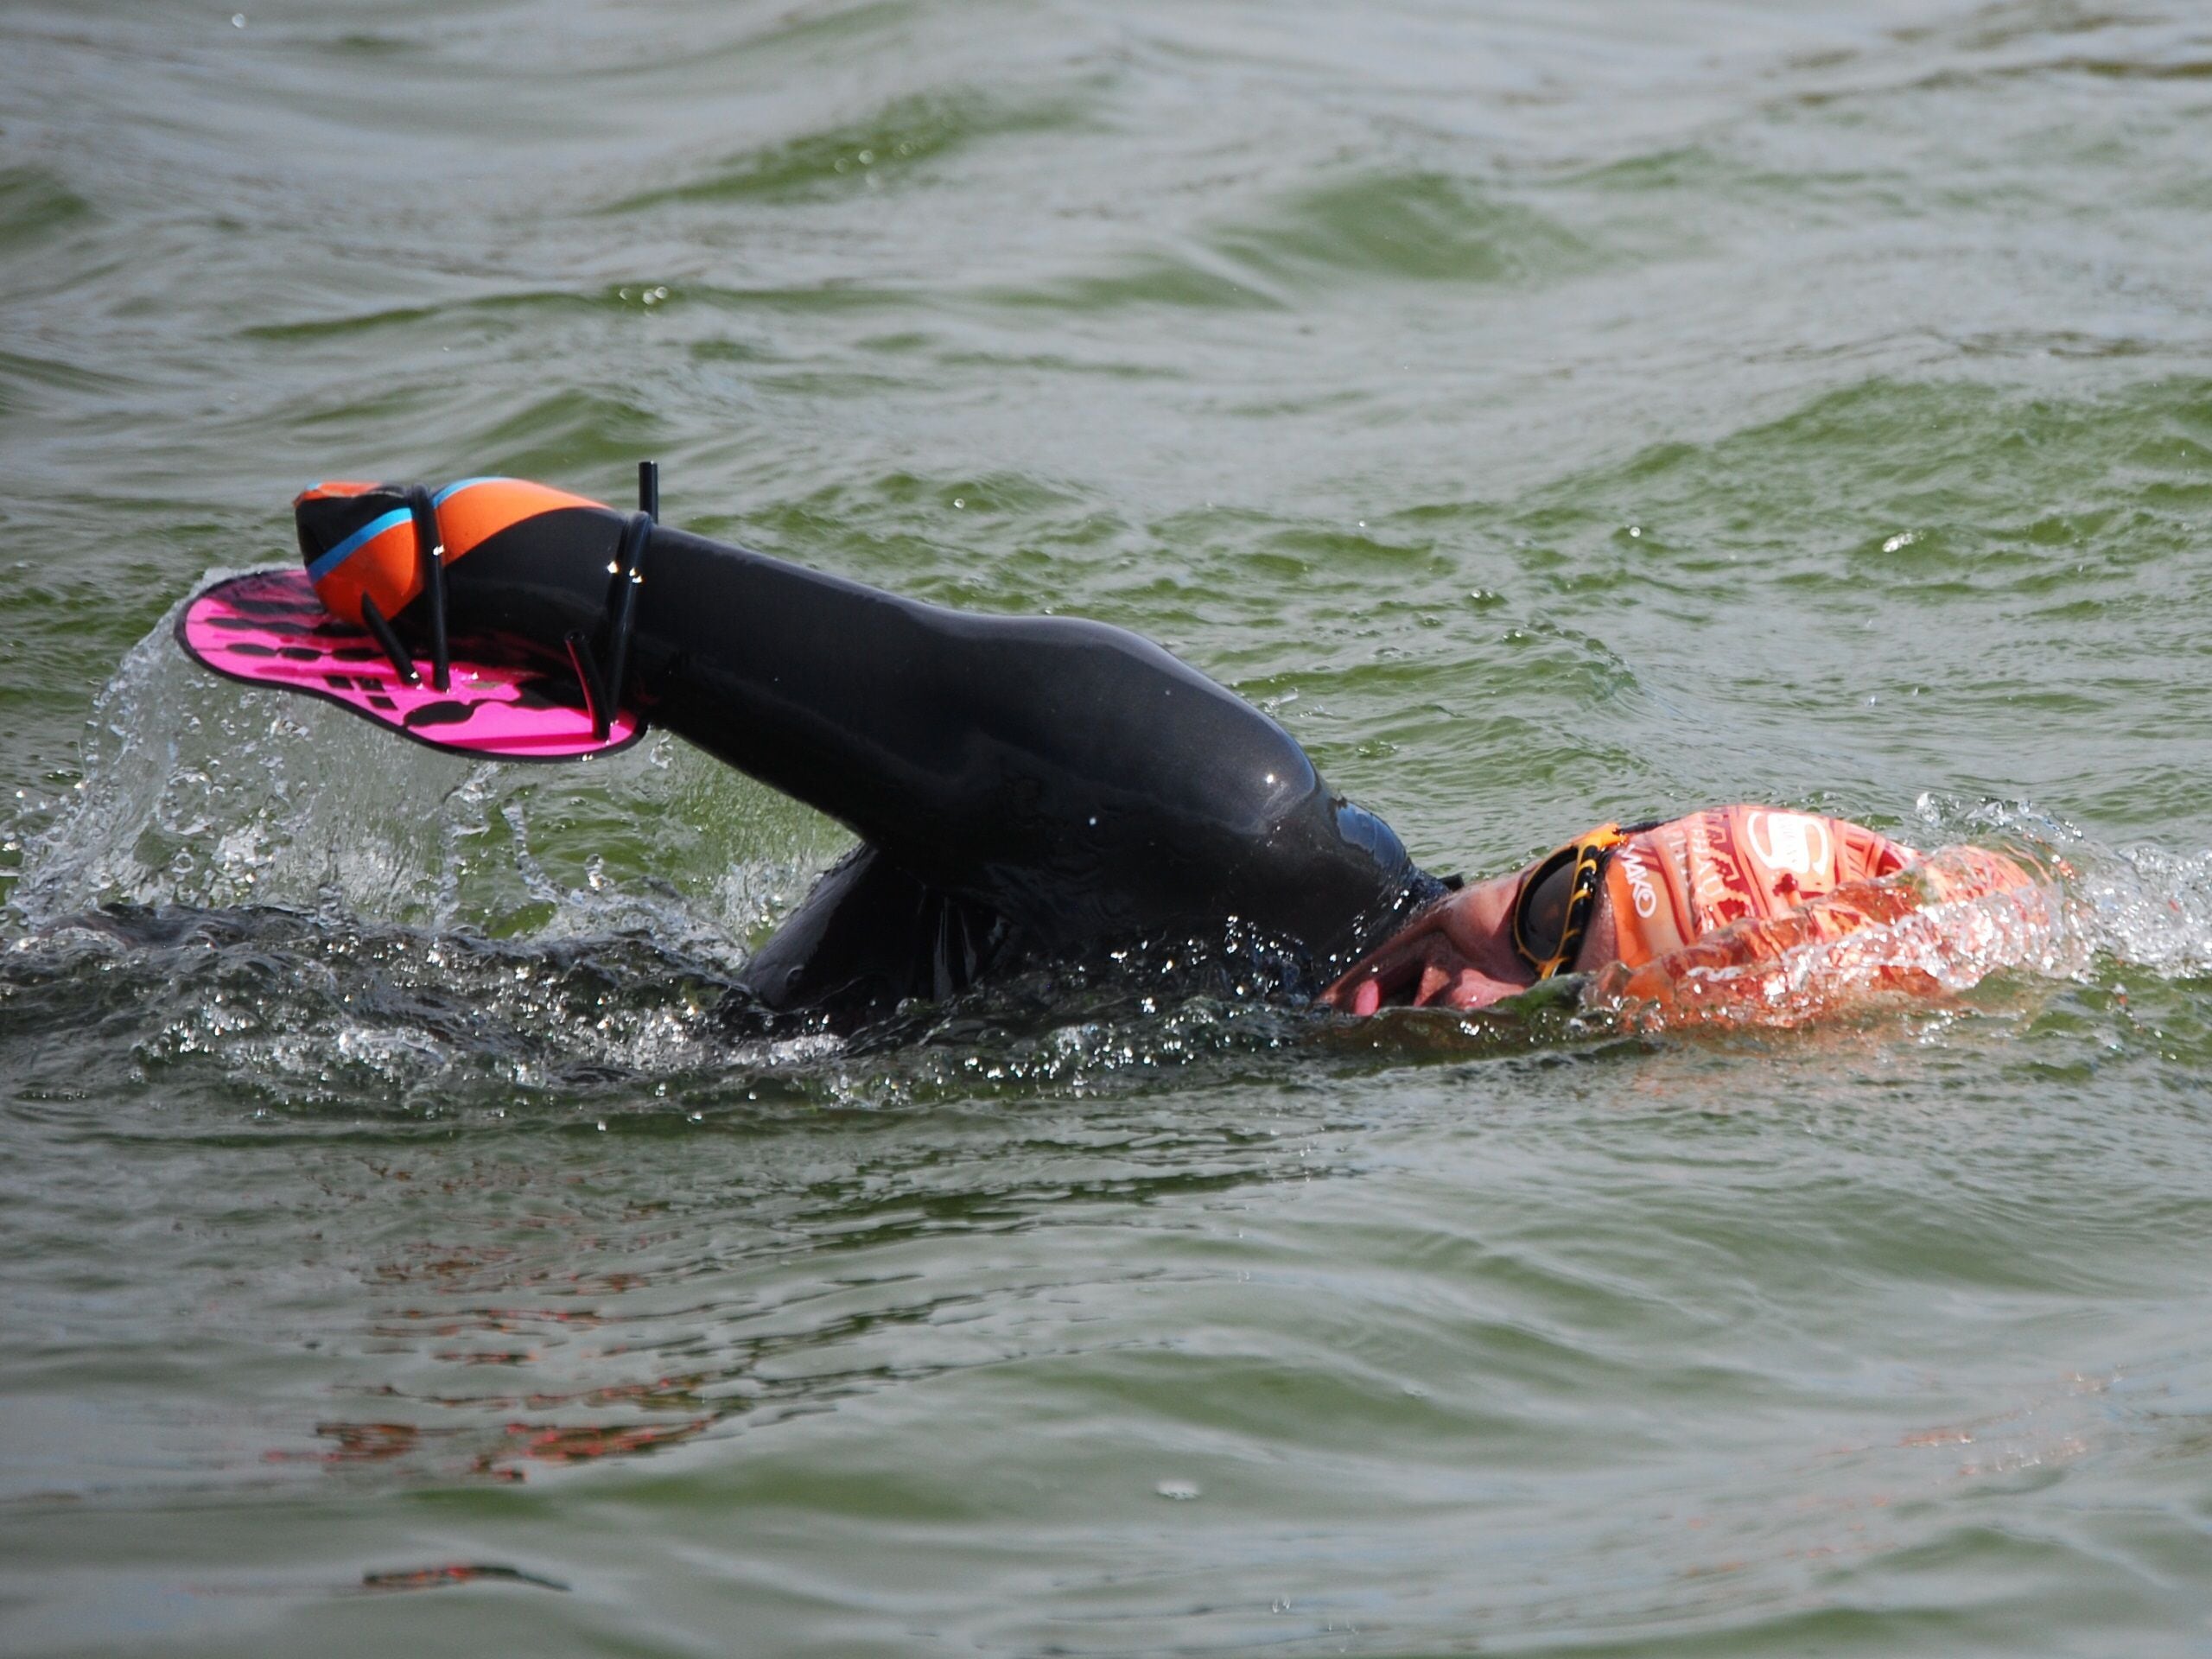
x=1635 y=529
x=237 y=20
x=868 y=157
x=958 y=502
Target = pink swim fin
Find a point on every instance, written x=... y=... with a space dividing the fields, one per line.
x=502 y=703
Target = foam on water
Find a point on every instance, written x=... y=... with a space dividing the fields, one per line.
x=199 y=794
x=2139 y=906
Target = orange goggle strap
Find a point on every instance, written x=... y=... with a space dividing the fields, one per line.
x=1586 y=854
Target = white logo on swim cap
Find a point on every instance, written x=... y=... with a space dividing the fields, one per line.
x=1788 y=840
x=1639 y=881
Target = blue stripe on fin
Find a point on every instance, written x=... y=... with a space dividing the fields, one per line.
x=353 y=543
x=458 y=485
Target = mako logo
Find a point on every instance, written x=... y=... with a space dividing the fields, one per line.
x=1788 y=840
x=1639 y=879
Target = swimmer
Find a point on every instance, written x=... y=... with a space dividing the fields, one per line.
x=1034 y=790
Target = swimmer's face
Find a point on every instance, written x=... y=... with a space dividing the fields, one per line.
x=1456 y=954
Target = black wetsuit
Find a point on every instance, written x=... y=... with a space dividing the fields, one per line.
x=1025 y=788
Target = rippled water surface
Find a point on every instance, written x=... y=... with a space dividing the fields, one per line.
x=1550 y=412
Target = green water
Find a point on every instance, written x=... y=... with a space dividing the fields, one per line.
x=1550 y=412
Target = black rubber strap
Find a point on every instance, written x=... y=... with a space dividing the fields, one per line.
x=629 y=576
x=596 y=701
x=390 y=640
x=430 y=551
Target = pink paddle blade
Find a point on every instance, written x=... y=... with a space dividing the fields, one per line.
x=503 y=704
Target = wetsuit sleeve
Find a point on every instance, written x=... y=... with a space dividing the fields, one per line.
x=1071 y=777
